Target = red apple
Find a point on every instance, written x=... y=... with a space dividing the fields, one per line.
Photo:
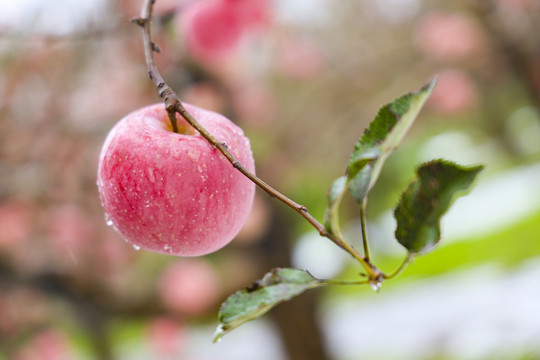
x=449 y=36
x=455 y=93
x=166 y=337
x=211 y=28
x=15 y=222
x=189 y=287
x=48 y=344
x=256 y=13
x=170 y=192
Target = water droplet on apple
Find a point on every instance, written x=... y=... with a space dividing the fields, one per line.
x=151 y=176
x=136 y=247
x=193 y=155
x=147 y=203
x=108 y=221
x=167 y=248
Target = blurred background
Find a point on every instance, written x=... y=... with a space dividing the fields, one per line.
x=303 y=78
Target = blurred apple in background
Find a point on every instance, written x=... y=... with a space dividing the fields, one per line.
x=456 y=92
x=213 y=29
x=15 y=223
x=448 y=36
x=48 y=344
x=166 y=337
x=189 y=287
x=256 y=13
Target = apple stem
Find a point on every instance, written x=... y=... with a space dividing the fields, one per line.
x=172 y=119
x=174 y=105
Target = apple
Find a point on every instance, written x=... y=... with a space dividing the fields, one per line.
x=47 y=344
x=253 y=13
x=166 y=337
x=449 y=36
x=213 y=29
x=15 y=222
x=175 y=193
x=189 y=287
x=456 y=92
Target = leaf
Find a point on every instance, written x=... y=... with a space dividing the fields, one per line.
x=278 y=285
x=335 y=194
x=383 y=136
x=427 y=199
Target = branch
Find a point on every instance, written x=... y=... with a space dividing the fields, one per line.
x=174 y=105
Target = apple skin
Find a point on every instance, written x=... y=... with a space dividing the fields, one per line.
x=213 y=29
x=174 y=193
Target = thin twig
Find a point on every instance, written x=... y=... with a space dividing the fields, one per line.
x=400 y=268
x=174 y=105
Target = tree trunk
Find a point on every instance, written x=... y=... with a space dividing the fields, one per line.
x=296 y=319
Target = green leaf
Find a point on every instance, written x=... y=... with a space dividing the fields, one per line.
x=278 y=285
x=335 y=194
x=427 y=199
x=383 y=136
